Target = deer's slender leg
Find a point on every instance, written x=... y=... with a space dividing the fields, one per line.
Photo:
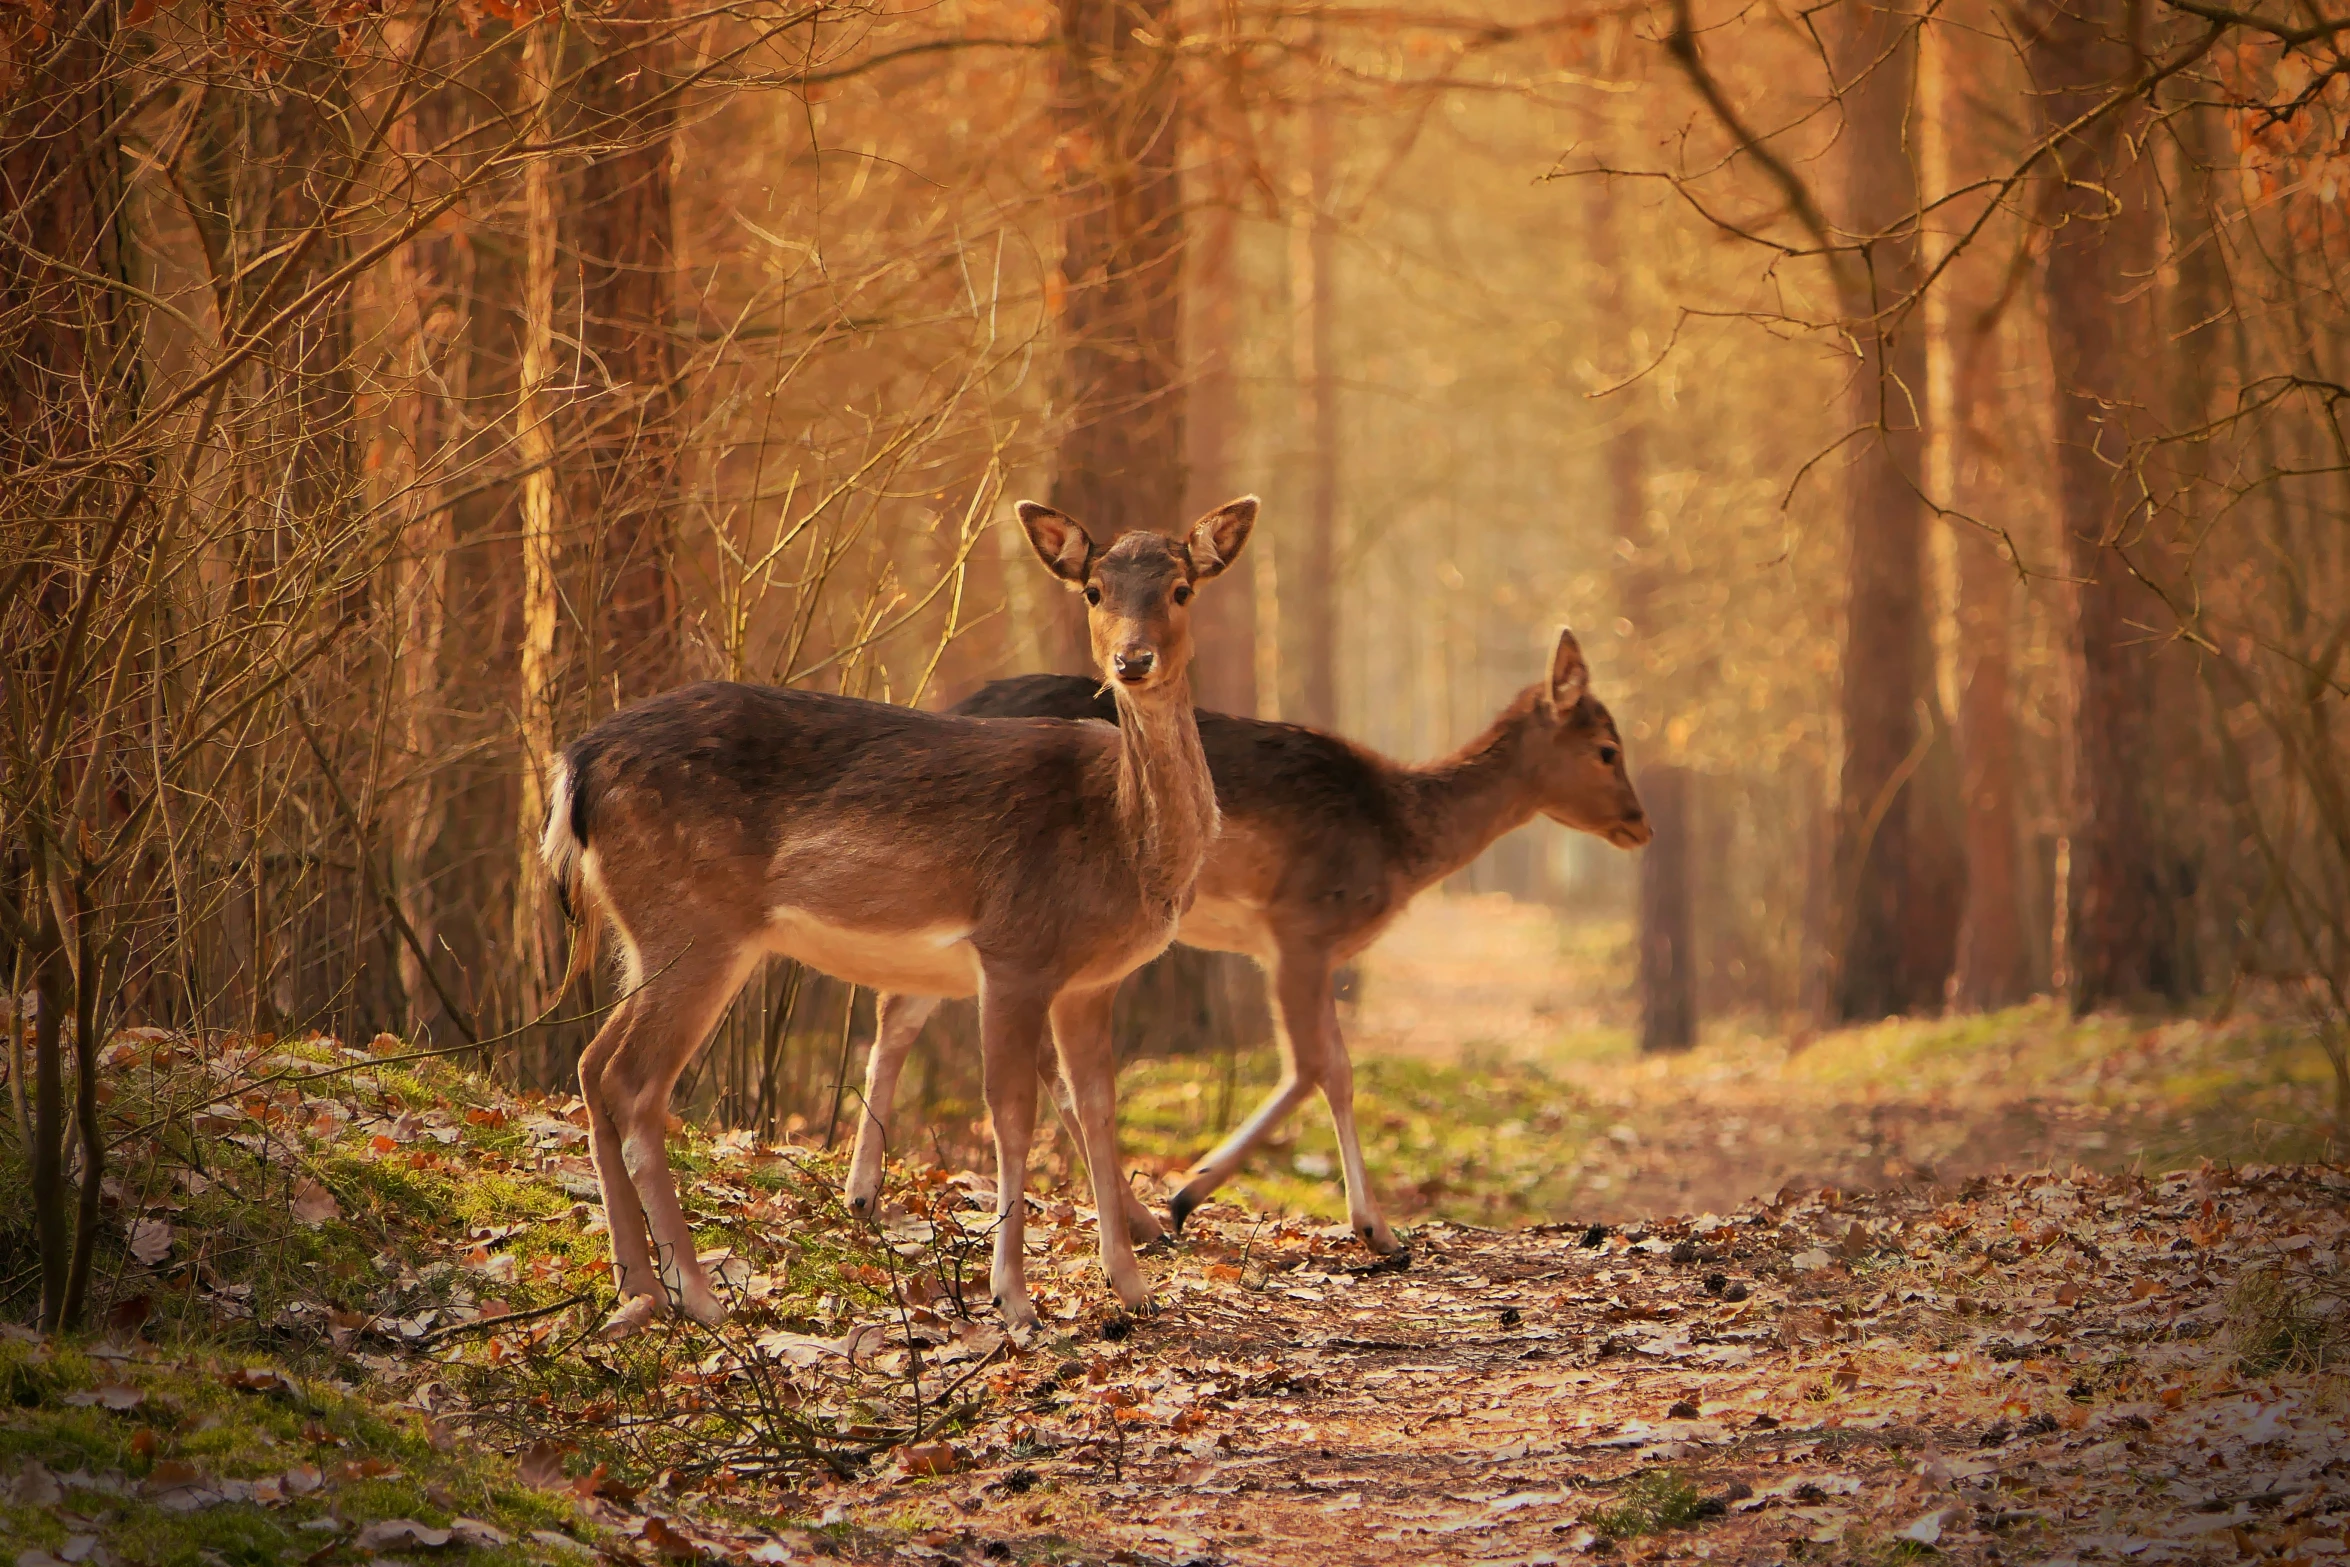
x=1298 y=1062
x=633 y=1276
x=1318 y=1005
x=1081 y=1034
x=681 y=1002
x=897 y=1023
x=1011 y=1034
x=1142 y=1225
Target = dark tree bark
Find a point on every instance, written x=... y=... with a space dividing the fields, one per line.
x=2121 y=946
x=309 y=166
x=1668 y=913
x=433 y=287
x=1994 y=959
x=2205 y=870
x=1224 y=665
x=1312 y=570
x=53 y=1236
x=1189 y=998
x=60 y=204
x=1121 y=456
x=1994 y=956
x=624 y=487
x=1895 y=859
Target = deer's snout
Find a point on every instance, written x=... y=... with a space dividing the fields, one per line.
x=1135 y=665
x=1632 y=831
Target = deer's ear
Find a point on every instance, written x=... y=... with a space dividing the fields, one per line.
x=1570 y=677
x=1065 y=548
x=1219 y=537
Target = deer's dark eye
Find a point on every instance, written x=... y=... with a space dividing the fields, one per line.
x=1093 y=595
x=1607 y=756
x=1182 y=593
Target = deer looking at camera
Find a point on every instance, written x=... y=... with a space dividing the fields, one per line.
x=1033 y=864
x=1324 y=843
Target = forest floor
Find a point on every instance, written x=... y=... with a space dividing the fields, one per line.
x=1754 y=1303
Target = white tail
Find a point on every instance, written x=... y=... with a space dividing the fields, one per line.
x=1033 y=863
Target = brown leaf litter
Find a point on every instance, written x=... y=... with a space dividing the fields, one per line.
x=2035 y=1368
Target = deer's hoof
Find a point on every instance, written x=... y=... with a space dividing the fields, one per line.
x=631 y=1317
x=708 y=1310
x=1181 y=1206
x=1377 y=1236
x=863 y=1204
x=1020 y=1324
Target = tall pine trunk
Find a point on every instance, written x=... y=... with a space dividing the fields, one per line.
x=432 y=290
x=2120 y=946
x=625 y=491
x=1312 y=589
x=1895 y=863
x=1119 y=112
x=1223 y=670
x=534 y=443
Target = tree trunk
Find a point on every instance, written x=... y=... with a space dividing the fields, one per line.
x=626 y=237
x=1994 y=959
x=60 y=196
x=2120 y=947
x=1223 y=668
x=432 y=283
x=53 y=1238
x=534 y=955
x=1116 y=98
x=1897 y=920
x=1313 y=283
x=1962 y=467
x=2203 y=865
x=1231 y=1010
x=1668 y=915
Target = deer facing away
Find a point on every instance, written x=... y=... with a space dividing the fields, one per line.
x=1324 y=843
x=1031 y=863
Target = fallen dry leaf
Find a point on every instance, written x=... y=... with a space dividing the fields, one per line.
x=664 y=1538
x=930 y=1458
x=150 y=1240
x=314 y=1205
x=386 y=1533
x=540 y=1465
x=116 y=1396
x=35 y=1486
x=260 y=1379
x=481 y=1536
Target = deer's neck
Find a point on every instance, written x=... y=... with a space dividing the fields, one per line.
x=1166 y=801
x=1460 y=803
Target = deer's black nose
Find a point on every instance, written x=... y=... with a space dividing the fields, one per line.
x=1133 y=666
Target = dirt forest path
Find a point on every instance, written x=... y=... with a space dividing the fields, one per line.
x=1482 y=978
x=2034 y=1370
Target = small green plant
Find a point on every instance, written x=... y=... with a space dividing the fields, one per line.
x=1652 y=1502
x=2284 y=1322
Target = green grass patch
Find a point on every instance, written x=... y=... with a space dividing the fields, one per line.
x=1652 y=1501
x=1490 y=1143
x=350 y=1463
x=2282 y=1321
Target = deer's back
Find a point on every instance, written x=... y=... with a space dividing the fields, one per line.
x=760 y=806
